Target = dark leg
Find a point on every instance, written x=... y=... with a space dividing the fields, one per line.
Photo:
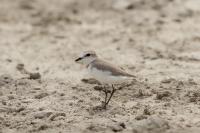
x=113 y=91
x=106 y=95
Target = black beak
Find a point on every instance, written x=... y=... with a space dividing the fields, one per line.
x=78 y=59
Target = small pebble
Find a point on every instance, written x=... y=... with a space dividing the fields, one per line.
x=34 y=76
x=41 y=95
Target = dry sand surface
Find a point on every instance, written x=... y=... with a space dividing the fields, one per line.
x=156 y=40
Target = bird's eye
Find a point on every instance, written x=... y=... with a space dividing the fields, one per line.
x=87 y=55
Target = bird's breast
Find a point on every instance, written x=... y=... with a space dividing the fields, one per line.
x=105 y=77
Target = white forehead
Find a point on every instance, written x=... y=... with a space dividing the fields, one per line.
x=86 y=52
x=82 y=54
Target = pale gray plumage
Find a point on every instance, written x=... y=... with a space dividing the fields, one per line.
x=105 y=66
x=104 y=72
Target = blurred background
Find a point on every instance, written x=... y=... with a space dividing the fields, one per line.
x=47 y=35
x=156 y=40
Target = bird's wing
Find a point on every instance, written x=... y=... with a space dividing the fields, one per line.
x=105 y=66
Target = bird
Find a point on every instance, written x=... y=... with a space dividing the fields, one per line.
x=104 y=72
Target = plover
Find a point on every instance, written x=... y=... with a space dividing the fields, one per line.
x=104 y=72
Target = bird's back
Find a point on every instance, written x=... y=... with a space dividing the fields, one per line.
x=107 y=73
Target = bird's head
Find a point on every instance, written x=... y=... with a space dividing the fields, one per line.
x=86 y=57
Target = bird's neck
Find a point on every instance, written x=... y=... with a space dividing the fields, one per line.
x=90 y=63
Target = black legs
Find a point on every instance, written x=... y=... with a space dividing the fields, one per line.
x=113 y=91
x=107 y=100
x=106 y=96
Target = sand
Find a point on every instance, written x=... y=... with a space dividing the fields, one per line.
x=156 y=40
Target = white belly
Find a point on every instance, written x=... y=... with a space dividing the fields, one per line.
x=105 y=77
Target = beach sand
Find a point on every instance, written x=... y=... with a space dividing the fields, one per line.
x=41 y=88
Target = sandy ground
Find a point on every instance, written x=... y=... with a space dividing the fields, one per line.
x=156 y=40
